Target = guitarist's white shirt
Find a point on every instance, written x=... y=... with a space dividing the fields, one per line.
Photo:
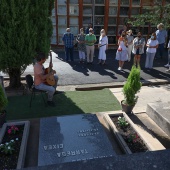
x=38 y=70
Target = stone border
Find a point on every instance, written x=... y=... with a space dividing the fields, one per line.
x=22 y=152
x=143 y=135
x=155 y=115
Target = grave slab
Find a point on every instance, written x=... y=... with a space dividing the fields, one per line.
x=159 y=112
x=72 y=138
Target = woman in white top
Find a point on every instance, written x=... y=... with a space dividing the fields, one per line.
x=122 y=54
x=152 y=45
x=130 y=43
x=138 y=48
x=103 y=46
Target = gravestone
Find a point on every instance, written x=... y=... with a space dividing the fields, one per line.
x=159 y=112
x=72 y=138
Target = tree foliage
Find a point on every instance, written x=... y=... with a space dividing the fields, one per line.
x=132 y=86
x=153 y=15
x=3 y=99
x=26 y=29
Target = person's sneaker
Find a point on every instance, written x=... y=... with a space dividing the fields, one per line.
x=167 y=65
x=58 y=92
x=168 y=70
x=51 y=103
x=119 y=68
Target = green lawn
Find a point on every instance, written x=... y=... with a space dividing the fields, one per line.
x=76 y=102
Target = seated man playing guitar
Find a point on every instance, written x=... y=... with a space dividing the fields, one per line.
x=40 y=78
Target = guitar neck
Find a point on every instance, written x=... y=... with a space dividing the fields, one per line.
x=50 y=64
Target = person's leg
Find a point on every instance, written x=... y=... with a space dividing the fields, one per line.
x=88 y=53
x=157 y=52
x=168 y=70
x=147 y=60
x=83 y=56
x=152 y=55
x=161 y=50
x=56 y=81
x=103 y=54
x=168 y=64
x=138 y=60
x=169 y=57
x=50 y=90
x=66 y=53
x=129 y=52
x=92 y=53
x=80 y=55
x=71 y=54
x=135 y=60
x=122 y=63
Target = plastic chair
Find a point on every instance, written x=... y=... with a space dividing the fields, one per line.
x=30 y=84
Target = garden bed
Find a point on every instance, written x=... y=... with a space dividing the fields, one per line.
x=129 y=136
x=13 y=142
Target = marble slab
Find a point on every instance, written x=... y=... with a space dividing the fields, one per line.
x=72 y=138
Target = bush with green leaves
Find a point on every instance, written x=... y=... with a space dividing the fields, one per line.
x=25 y=30
x=154 y=15
x=3 y=100
x=7 y=147
x=132 y=86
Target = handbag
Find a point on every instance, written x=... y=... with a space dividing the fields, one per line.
x=119 y=49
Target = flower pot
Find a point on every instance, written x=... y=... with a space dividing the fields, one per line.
x=21 y=152
x=126 y=108
x=150 y=142
x=2 y=118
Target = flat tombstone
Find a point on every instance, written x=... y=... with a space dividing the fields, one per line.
x=72 y=138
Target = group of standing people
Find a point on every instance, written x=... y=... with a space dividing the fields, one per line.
x=154 y=47
x=85 y=45
x=127 y=44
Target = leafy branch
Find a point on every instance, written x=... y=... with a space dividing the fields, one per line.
x=152 y=15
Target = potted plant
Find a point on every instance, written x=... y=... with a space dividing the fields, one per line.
x=130 y=88
x=3 y=104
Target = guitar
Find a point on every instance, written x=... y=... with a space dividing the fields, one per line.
x=50 y=80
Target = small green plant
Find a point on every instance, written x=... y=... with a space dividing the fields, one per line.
x=133 y=138
x=122 y=122
x=8 y=147
x=3 y=100
x=132 y=86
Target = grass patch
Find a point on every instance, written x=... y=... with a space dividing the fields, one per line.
x=76 y=102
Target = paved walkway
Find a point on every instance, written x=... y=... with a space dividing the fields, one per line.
x=73 y=73
x=147 y=94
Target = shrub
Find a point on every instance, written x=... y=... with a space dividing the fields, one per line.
x=132 y=86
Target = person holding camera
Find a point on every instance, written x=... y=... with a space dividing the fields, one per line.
x=138 y=48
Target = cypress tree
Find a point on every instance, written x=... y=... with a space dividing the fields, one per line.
x=26 y=29
x=132 y=86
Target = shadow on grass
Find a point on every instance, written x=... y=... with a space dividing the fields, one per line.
x=69 y=103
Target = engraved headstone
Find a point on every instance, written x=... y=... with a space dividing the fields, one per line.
x=72 y=138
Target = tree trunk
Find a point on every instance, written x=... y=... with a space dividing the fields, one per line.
x=14 y=76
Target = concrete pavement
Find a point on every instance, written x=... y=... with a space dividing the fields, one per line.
x=73 y=73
